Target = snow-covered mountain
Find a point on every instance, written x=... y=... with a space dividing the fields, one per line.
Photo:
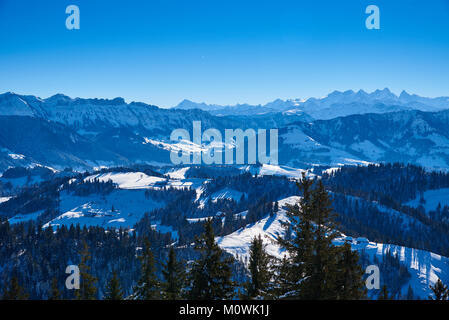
x=84 y=133
x=407 y=136
x=335 y=104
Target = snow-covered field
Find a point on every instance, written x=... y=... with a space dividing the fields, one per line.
x=120 y=208
x=275 y=170
x=128 y=180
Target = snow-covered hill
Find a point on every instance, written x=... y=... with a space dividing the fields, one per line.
x=424 y=267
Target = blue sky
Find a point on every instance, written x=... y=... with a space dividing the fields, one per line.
x=223 y=52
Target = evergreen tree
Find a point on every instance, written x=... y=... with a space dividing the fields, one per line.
x=259 y=264
x=384 y=295
x=297 y=242
x=349 y=278
x=13 y=290
x=410 y=293
x=148 y=284
x=54 y=290
x=440 y=291
x=174 y=277
x=114 y=289
x=88 y=290
x=210 y=276
x=322 y=268
x=315 y=267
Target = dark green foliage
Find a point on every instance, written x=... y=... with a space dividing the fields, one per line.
x=148 y=285
x=54 y=291
x=210 y=276
x=350 y=284
x=173 y=273
x=259 y=268
x=358 y=191
x=410 y=294
x=315 y=267
x=384 y=294
x=114 y=289
x=440 y=291
x=13 y=291
x=88 y=290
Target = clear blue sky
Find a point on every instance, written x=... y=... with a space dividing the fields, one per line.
x=222 y=51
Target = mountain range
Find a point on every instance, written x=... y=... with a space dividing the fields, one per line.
x=335 y=104
x=354 y=127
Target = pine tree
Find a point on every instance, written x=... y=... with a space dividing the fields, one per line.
x=174 y=277
x=54 y=290
x=297 y=242
x=259 y=267
x=210 y=276
x=410 y=293
x=440 y=291
x=114 y=289
x=384 y=295
x=315 y=267
x=148 y=284
x=350 y=284
x=322 y=269
x=88 y=290
x=13 y=291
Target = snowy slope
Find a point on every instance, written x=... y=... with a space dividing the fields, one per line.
x=128 y=180
x=275 y=170
x=123 y=207
x=120 y=208
x=425 y=267
x=432 y=199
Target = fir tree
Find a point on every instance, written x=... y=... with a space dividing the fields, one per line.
x=148 y=284
x=440 y=291
x=114 y=289
x=384 y=295
x=54 y=290
x=88 y=290
x=259 y=267
x=210 y=276
x=410 y=293
x=315 y=266
x=350 y=284
x=174 y=277
x=297 y=242
x=13 y=290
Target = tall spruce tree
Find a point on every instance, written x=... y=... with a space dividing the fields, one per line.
x=384 y=294
x=297 y=242
x=315 y=267
x=87 y=290
x=54 y=290
x=440 y=291
x=114 y=289
x=259 y=267
x=14 y=291
x=174 y=277
x=210 y=276
x=350 y=284
x=148 y=285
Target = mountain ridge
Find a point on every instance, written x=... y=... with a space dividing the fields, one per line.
x=323 y=108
